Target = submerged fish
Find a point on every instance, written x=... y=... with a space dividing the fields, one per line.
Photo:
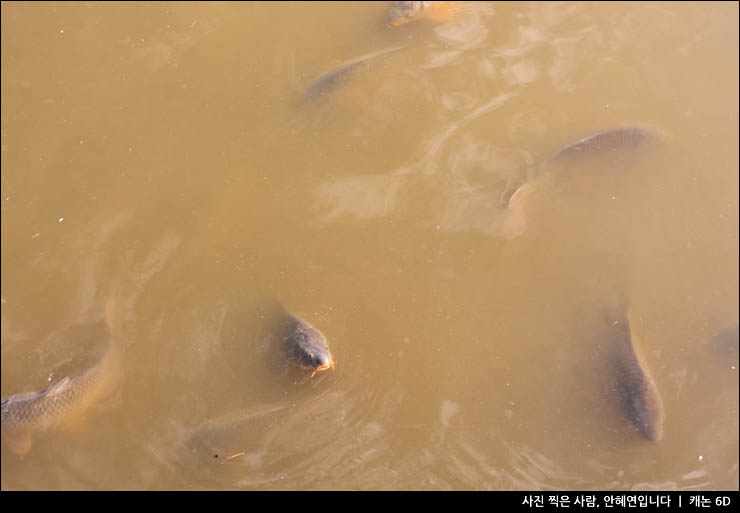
x=246 y=432
x=402 y=13
x=605 y=143
x=635 y=385
x=26 y=415
x=229 y=437
x=614 y=140
x=359 y=69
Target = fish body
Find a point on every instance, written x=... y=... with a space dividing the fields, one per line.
x=225 y=438
x=600 y=144
x=636 y=387
x=26 y=415
x=357 y=70
x=618 y=139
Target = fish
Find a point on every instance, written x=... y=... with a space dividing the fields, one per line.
x=356 y=70
x=303 y=344
x=402 y=13
x=635 y=386
x=229 y=437
x=618 y=139
x=28 y=415
x=236 y=435
x=614 y=141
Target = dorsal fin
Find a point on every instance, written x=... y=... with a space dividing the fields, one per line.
x=58 y=387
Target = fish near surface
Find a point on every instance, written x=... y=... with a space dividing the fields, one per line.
x=232 y=436
x=620 y=141
x=635 y=386
x=364 y=74
x=304 y=345
x=247 y=434
x=626 y=138
x=25 y=416
x=294 y=343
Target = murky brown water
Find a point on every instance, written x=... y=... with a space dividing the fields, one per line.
x=162 y=155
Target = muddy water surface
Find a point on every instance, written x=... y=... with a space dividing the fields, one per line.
x=165 y=155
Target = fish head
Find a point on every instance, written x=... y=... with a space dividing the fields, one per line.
x=308 y=348
x=404 y=12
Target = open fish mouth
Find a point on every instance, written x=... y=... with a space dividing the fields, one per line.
x=323 y=367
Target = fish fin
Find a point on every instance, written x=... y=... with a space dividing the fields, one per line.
x=514 y=223
x=63 y=369
x=518 y=198
x=58 y=387
x=18 y=442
